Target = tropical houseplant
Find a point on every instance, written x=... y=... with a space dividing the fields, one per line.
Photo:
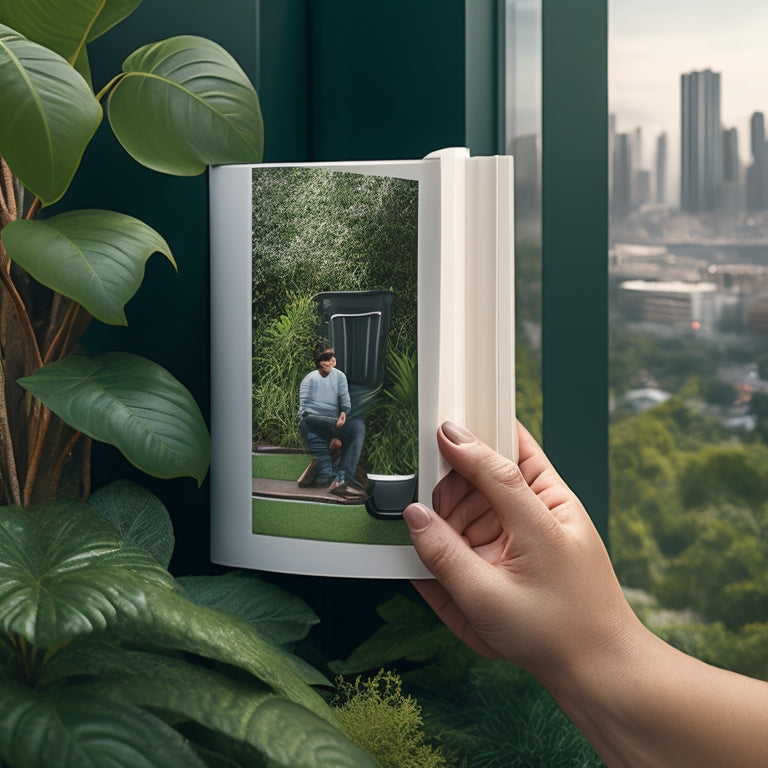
x=105 y=658
x=178 y=105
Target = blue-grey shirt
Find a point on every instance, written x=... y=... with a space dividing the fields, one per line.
x=324 y=395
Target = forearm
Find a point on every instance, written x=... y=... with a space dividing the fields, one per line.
x=647 y=705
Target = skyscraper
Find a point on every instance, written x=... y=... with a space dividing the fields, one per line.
x=701 y=165
x=621 y=200
x=757 y=171
x=661 y=168
x=730 y=155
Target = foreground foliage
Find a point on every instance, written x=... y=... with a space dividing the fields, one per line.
x=106 y=659
x=384 y=722
x=482 y=713
x=176 y=106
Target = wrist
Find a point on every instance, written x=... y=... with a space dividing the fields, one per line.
x=609 y=690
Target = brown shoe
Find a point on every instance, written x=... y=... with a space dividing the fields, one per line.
x=349 y=490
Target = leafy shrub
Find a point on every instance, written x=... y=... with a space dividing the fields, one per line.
x=392 y=446
x=384 y=722
x=106 y=659
x=282 y=356
x=483 y=713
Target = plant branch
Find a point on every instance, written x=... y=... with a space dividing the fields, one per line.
x=36 y=451
x=8 y=205
x=72 y=327
x=63 y=456
x=33 y=360
x=34 y=208
x=9 y=472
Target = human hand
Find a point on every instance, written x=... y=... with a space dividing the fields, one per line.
x=335 y=444
x=342 y=420
x=521 y=573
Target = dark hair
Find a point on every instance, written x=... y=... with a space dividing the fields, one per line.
x=320 y=350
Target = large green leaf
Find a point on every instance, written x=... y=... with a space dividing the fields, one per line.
x=173 y=622
x=411 y=632
x=49 y=115
x=139 y=517
x=183 y=104
x=279 y=616
x=240 y=709
x=95 y=257
x=131 y=403
x=69 y=729
x=64 y=572
x=65 y=27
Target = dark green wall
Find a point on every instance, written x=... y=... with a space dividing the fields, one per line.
x=337 y=79
x=169 y=317
x=351 y=79
x=575 y=247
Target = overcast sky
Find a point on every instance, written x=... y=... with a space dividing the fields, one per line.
x=652 y=42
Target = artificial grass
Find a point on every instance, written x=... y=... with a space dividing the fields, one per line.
x=289 y=518
x=279 y=466
x=347 y=523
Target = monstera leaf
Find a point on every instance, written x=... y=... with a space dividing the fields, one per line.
x=183 y=104
x=131 y=403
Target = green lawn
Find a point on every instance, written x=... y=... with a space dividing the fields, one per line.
x=348 y=523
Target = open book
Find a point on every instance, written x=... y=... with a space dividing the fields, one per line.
x=354 y=307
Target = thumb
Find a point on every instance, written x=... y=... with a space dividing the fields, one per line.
x=445 y=554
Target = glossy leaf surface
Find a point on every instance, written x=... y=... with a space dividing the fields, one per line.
x=138 y=516
x=67 y=729
x=65 y=572
x=65 y=27
x=131 y=403
x=95 y=257
x=49 y=115
x=244 y=710
x=184 y=104
x=278 y=615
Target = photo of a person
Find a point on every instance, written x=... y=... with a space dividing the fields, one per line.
x=327 y=429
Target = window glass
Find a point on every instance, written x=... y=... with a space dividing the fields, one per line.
x=688 y=267
x=523 y=140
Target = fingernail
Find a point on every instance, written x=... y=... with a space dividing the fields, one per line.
x=456 y=433
x=417 y=517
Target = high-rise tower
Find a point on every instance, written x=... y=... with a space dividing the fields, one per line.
x=701 y=150
x=661 y=168
x=757 y=172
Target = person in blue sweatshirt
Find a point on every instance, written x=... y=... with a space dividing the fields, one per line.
x=324 y=407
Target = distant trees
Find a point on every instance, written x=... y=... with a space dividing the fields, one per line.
x=689 y=524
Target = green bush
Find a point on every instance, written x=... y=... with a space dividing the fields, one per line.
x=392 y=444
x=282 y=356
x=384 y=722
x=106 y=659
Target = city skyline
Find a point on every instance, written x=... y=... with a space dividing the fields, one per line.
x=652 y=44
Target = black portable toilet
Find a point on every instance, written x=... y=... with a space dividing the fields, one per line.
x=356 y=324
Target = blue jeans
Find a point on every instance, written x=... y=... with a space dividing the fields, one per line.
x=317 y=433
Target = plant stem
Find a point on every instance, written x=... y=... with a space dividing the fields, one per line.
x=8 y=205
x=63 y=334
x=36 y=451
x=103 y=92
x=33 y=209
x=9 y=473
x=32 y=356
x=64 y=455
